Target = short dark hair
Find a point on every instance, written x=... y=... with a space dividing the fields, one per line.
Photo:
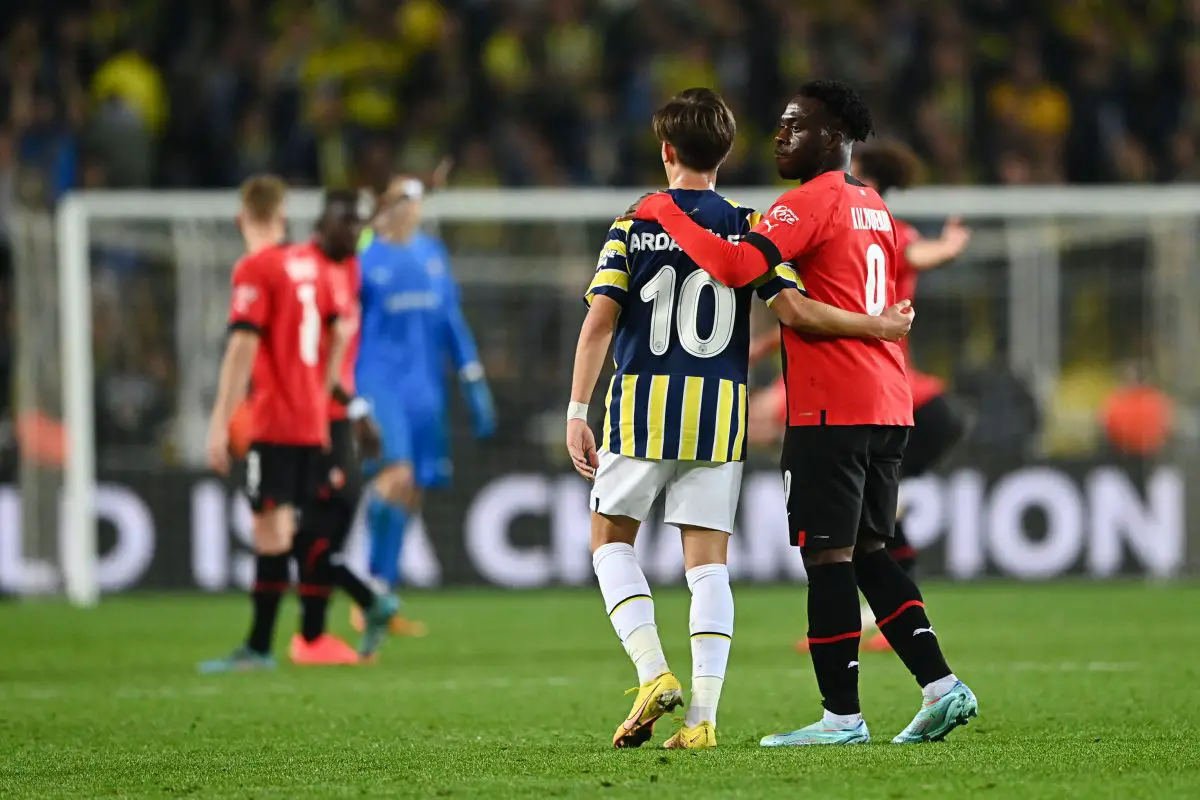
x=889 y=163
x=698 y=124
x=842 y=102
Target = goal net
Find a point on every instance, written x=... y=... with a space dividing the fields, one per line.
x=1070 y=315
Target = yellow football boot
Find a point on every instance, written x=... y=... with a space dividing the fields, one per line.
x=654 y=698
x=697 y=737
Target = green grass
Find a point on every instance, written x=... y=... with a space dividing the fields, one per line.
x=1085 y=691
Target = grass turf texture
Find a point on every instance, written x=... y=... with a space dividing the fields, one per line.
x=1085 y=691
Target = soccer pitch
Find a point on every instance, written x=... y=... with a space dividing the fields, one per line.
x=1085 y=690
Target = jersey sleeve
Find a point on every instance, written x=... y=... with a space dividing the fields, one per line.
x=795 y=224
x=250 y=299
x=462 y=349
x=782 y=276
x=612 y=270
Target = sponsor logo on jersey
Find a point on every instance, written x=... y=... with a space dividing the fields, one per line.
x=244 y=296
x=784 y=214
x=412 y=301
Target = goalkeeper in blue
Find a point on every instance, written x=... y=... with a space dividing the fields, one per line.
x=412 y=329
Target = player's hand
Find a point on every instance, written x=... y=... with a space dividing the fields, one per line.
x=895 y=322
x=646 y=208
x=369 y=438
x=218 y=449
x=581 y=445
x=955 y=236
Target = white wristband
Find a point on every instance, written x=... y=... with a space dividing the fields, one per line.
x=358 y=408
x=577 y=411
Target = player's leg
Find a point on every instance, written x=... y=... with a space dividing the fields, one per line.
x=766 y=416
x=897 y=602
x=272 y=481
x=702 y=502
x=824 y=472
x=621 y=498
x=938 y=427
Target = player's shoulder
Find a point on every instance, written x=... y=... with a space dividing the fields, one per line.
x=260 y=261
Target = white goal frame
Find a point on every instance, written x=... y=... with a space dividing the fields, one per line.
x=79 y=554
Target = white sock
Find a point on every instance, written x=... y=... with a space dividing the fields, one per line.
x=842 y=720
x=711 y=625
x=630 y=607
x=939 y=687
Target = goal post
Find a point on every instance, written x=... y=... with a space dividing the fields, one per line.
x=1025 y=231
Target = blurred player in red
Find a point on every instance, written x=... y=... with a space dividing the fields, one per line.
x=280 y=308
x=849 y=411
x=326 y=521
x=938 y=424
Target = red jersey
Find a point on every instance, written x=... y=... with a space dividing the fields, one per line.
x=345 y=280
x=924 y=387
x=841 y=238
x=281 y=294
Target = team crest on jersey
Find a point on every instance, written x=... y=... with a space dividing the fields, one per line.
x=337 y=478
x=244 y=296
x=379 y=275
x=434 y=266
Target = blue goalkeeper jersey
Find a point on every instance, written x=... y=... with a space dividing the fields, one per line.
x=682 y=340
x=412 y=324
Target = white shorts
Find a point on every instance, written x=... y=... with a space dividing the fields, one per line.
x=700 y=494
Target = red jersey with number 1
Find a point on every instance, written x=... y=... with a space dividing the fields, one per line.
x=345 y=281
x=924 y=387
x=282 y=294
x=841 y=238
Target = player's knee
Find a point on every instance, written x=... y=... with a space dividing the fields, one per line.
x=613 y=530
x=274 y=531
x=867 y=545
x=397 y=485
x=702 y=547
x=834 y=555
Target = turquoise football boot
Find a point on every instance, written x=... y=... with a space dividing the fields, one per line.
x=378 y=621
x=241 y=660
x=819 y=733
x=940 y=716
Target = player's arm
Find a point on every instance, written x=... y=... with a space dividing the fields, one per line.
x=595 y=339
x=464 y=354
x=925 y=254
x=813 y=317
x=605 y=297
x=784 y=294
x=250 y=308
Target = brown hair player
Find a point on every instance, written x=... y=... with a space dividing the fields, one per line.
x=938 y=423
x=281 y=306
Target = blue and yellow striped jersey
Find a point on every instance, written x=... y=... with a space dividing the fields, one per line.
x=682 y=340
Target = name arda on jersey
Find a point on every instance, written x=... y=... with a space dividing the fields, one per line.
x=870 y=219
x=661 y=241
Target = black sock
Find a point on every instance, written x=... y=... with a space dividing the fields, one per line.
x=900 y=614
x=316 y=583
x=349 y=582
x=834 y=631
x=270 y=582
x=903 y=552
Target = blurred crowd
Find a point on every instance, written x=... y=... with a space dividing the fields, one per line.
x=559 y=92
x=156 y=93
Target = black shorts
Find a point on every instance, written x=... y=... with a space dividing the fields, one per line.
x=280 y=475
x=841 y=482
x=338 y=473
x=938 y=426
